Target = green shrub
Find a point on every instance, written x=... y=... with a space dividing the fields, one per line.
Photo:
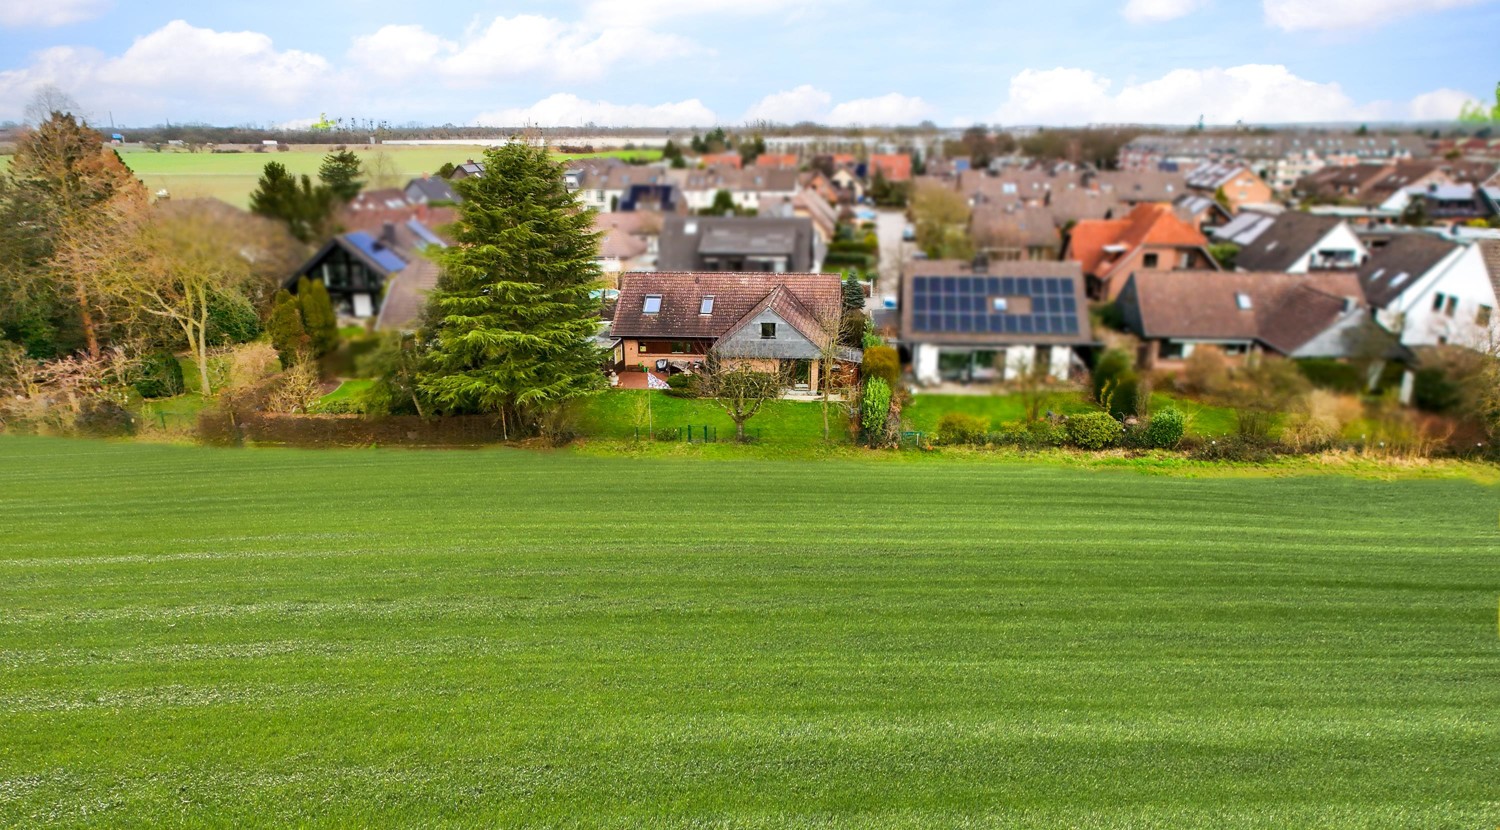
x=1332 y=375
x=318 y=319
x=1435 y=391
x=161 y=377
x=341 y=406
x=883 y=362
x=231 y=321
x=1126 y=396
x=1112 y=365
x=1166 y=428
x=962 y=428
x=875 y=406
x=1235 y=448
x=1094 y=431
x=683 y=386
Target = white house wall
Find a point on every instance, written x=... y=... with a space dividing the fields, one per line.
x=1463 y=275
x=1341 y=238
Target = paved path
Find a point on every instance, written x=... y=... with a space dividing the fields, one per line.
x=889 y=224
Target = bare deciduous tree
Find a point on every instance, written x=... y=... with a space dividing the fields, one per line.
x=177 y=264
x=740 y=389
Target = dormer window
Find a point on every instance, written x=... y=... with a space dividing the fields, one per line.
x=652 y=304
x=706 y=306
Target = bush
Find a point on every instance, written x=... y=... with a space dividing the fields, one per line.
x=1326 y=373
x=1318 y=420
x=874 y=407
x=103 y=418
x=161 y=376
x=1165 y=429
x=883 y=362
x=1206 y=372
x=1094 y=431
x=1435 y=391
x=1235 y=448
x=683 y=386
x=1127 y=397
x=231 y=321
x=962 y=428
x=1112 y=365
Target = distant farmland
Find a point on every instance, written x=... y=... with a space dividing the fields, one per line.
x=270 y=638
x=232 y=176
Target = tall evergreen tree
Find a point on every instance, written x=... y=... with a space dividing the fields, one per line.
x=288 y=335
x=854 y=293
x=318 y=319
x=511 y=322
x=305 y=208
x=340 y=174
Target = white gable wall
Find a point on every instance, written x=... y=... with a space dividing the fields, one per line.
x=1341 y=238
x=1461 y=275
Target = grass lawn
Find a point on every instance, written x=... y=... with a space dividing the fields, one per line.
x=347 y=391
x=195 y=637
x=232 y=176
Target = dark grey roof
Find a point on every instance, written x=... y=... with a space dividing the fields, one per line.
x=746 y=238
x=1290 y=237
x=686 y=240
x=1400 y=264
x=432 y=189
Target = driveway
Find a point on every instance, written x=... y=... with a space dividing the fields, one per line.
x=889 y=225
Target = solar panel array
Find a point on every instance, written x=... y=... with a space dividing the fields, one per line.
x=965 y=305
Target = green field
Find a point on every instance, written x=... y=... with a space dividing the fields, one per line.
x=213 y=638
x=232 y=176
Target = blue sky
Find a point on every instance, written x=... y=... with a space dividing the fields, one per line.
x=695 y=62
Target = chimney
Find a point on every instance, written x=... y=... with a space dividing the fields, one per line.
x=981 y=263
x=388 y=235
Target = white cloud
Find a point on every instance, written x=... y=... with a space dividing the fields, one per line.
x=893 y=108
x=566 y=110
x=805 y=103
x=1157 y=11
x=808 y=103
x=1295 y=15
x=511 y=47
x=176 y=65
x=17 y=13
x=1439 y=105
x=639 y=12
x=1252 y=93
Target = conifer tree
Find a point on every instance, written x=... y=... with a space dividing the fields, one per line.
x=854 y=293
x=340 y=174
x=318 y=319
x=288 y=335
x=511 y=322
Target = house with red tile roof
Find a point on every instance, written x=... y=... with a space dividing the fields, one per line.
x=1292 y=315
x=778 y=161
x=894 y=167
x=1151 y=236
x=667 y=322
x=721 y=160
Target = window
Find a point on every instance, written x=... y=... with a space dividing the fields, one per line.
x=706 y=306
x=999 y=304
x=1243 y=301
x=768 y=331
x=1484 y=315
x=1452 y=308
x=653 y=304
x=1151 y=260
x=1437 y=302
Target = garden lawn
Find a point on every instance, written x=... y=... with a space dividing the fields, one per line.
x=616 y=413
x=276 y=638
